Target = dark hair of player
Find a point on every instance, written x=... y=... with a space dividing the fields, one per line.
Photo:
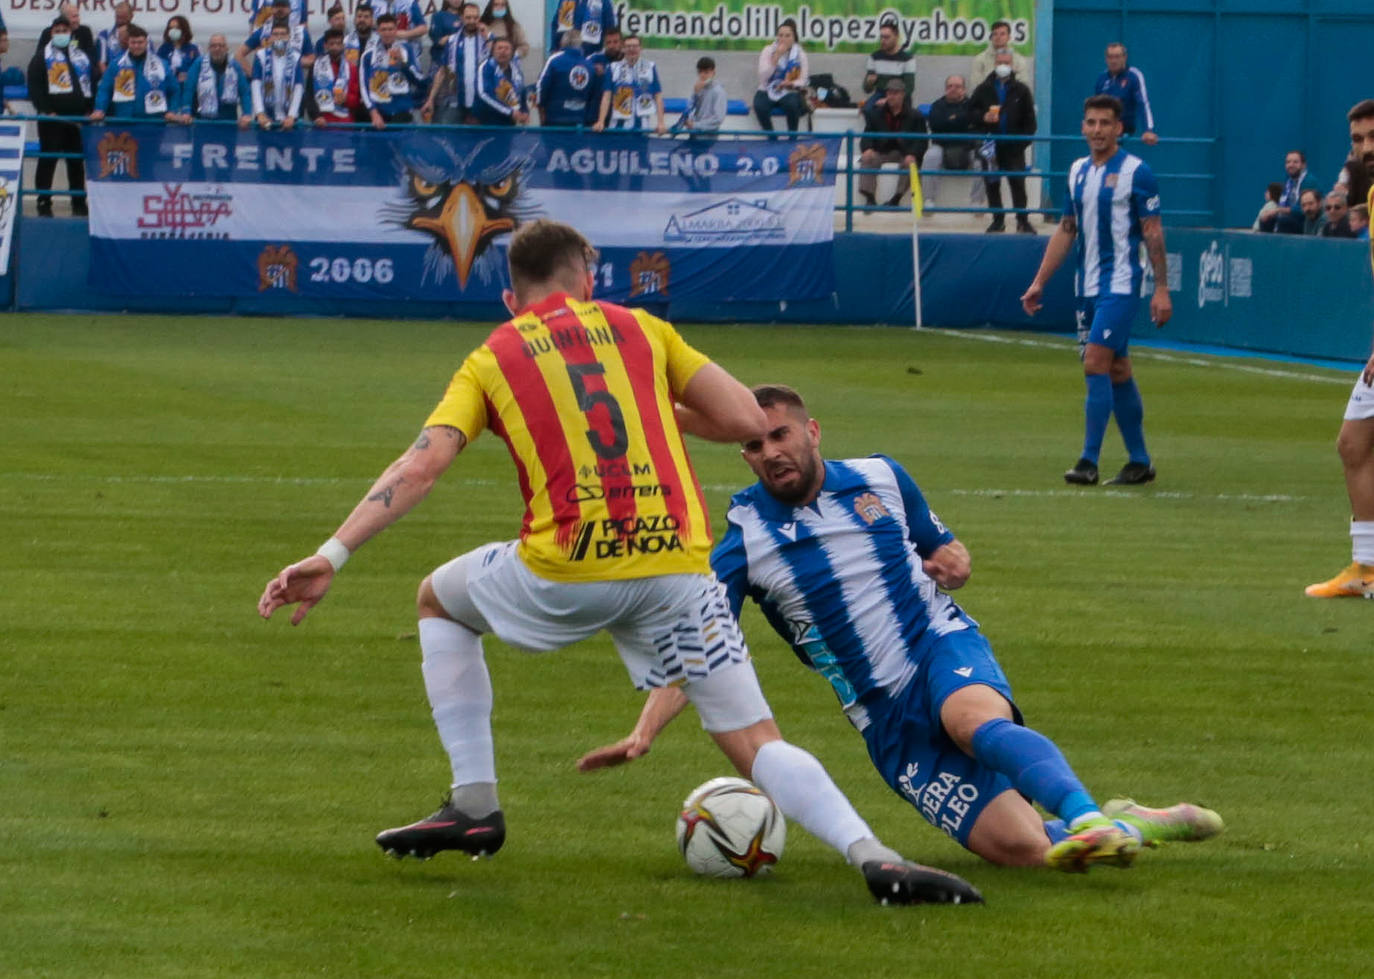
x=768 y=395
x=546 y=251
x=1109 y=102
x=1361 y=110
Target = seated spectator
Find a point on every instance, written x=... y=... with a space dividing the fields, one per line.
x=952 y=113
x=1359 y=221
x=390 y=77
x=138 y=84
x=561 y=92
x=177 y=49
x=1286 y=217
x=893 y=116
x=216 y=86
x=631 y=95
x=1006 y=108
x=336 y=83
x=453 y=92
x=501 y=88
x=1337 y=222
x=111 y=41
x=61 y=83
x=301 y=45
x=999 y=40
x=891 y=60
x=783 y=74
x=338 y=21
x=499 y=22
x=709 y=104
x=278 y=81
x=1310 y=201
x=448 y=19
x=81 y=34
x=1269 y=208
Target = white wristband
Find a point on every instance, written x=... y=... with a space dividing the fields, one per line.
x=335 y=552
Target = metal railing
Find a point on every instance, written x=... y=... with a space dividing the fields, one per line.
x=848 y=168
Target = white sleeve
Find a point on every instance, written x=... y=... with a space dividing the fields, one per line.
x=258 y=105
x=1144 y=101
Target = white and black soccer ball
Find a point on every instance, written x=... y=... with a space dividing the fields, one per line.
x=729 y=828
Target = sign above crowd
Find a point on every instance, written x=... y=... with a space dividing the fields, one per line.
x=838 y=26
x=425 y=215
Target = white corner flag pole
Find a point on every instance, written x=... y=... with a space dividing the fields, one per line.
x=917 y=209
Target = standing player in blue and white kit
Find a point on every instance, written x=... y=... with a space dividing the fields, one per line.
x=1112 y=206
x=847 y=562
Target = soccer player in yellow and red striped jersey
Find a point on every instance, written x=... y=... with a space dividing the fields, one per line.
x=591 y=399
x=1356 y=440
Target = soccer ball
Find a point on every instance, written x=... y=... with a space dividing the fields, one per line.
x=729 y=828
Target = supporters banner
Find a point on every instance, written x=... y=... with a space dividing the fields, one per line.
x=11 y=170
x=835 y=26
x=425 y=214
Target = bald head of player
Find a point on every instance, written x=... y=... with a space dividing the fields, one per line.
x=787 y=459
x=547 y=257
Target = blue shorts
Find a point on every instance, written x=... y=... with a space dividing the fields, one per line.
x=1106 y=320
x=913 y=753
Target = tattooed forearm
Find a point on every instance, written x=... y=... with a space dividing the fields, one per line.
x=386 y=494
x=1154 y=247
x=1069 y=223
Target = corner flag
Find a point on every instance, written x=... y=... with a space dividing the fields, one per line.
x=918 y=208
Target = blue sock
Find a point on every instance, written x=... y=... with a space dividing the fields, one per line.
x=1035 y=766
x=1097 y=411
x=1130 y=418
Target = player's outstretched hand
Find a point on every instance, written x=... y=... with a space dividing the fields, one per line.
x=626 y=749
x=303 y=583
x=1030 y=299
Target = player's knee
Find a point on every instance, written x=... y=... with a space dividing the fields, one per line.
x=1027 y=850
x=426 y=602
x=1354 y=445
x=1120 y=371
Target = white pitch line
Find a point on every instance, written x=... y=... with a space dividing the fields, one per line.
x=710 y=487
x=1217 y=362
x=1138 y=495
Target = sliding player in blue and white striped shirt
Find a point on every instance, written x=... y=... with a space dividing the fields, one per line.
x=848 y=564
x=1111 y=208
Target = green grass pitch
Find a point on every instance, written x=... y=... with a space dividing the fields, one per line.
x=186 y=790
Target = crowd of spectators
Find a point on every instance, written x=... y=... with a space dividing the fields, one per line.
x=1297 y=204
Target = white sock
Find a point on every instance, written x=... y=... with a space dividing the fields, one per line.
x=803 y=790
x=1362 y=541
x=459 y=689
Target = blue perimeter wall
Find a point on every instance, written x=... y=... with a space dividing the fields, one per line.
x=1308 y=297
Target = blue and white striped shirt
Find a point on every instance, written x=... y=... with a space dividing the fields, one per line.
x=1109 y=202
x=840 y=579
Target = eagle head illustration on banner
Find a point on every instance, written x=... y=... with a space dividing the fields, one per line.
x=464 y=203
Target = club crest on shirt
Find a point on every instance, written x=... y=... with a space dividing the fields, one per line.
x=649 y=274
x=1110 y=181
x=868 y=506
x=118 y=154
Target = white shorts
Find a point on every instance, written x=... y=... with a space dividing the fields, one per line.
x=668 y=629
x=1361 y=403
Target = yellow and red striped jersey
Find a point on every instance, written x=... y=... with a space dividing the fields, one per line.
x=582 y=394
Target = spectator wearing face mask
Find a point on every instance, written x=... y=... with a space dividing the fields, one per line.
x=1006 y=108
x=177 y=49
x=499 y=23
x=61 y=83
x=999 y=40
x=278 y=84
